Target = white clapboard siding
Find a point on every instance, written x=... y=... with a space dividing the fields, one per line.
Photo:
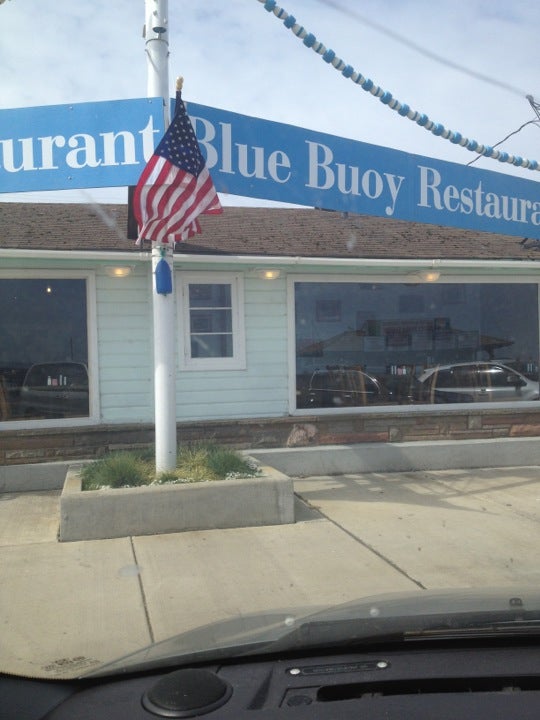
x=125 y=351
x=125 y=348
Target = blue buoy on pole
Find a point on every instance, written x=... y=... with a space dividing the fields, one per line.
x=163 y=277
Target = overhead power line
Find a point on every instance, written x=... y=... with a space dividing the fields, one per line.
x=514 y=132
x=423 y=51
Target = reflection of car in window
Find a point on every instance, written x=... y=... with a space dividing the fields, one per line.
x=476 y=382
x=339 y=387
x=55 y=389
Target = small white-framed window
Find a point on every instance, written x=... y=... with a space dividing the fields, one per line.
x=211 y=306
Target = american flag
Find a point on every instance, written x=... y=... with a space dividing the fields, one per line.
x=175 y=187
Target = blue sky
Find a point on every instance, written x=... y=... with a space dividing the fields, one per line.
x=236 y=56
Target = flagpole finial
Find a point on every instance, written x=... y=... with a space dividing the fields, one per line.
x=179 y=83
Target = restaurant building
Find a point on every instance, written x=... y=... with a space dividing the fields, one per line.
x=294 y=327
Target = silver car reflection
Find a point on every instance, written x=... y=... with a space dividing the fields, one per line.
x=476 y=382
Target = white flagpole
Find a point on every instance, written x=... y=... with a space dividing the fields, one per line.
x=157 y=52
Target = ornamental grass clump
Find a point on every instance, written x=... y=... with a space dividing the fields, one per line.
x=203 y=462
x=200 y=462
x=191 y=466
x=226 y=464
x=116 y=471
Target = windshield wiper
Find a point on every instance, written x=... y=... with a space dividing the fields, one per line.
x=366 y=632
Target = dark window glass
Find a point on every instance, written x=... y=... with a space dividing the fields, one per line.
x=448 y=379
x=43 y=348
x=393 y=335
x=491 y=377
x=205 y=295
x=210 y=320
x=211 y=346
x=467 y=377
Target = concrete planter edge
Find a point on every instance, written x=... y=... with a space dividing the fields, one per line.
x=267 y=499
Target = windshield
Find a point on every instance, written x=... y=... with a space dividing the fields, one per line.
x=269 y=340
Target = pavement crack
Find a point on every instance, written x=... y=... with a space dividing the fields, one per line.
x=370 y=548
x=143 y=595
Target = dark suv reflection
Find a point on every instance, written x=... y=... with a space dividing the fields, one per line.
x=55 y=390
x=344 y=387
x=476 y=382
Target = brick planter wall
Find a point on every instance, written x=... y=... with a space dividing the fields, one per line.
x=33 y=446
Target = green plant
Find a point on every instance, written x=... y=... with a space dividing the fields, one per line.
x=192 y=464
x=208 y=461
x=116 y=470
x=225 y=462
x=196 y=462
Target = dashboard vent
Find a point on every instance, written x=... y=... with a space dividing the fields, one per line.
x=422 y=686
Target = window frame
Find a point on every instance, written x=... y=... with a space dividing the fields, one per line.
x=89 y=276
x=236 y=281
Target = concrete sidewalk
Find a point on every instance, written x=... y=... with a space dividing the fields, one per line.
x=67 y=607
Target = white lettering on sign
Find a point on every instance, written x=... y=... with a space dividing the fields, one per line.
x=47 y=151
x=107 y=144
x=77 y=151
x=433 y=193
x=325 y=174
x=250 y=161
x=26 y=155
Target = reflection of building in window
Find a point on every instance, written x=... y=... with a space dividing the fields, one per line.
x=394 y=333
x=328 y=310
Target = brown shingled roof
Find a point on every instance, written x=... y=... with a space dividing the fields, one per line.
x=257 y=231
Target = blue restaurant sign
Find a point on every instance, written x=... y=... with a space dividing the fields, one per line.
x=106 y=144
x=85 y=145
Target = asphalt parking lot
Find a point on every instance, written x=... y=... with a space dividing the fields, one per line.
x=71 y=606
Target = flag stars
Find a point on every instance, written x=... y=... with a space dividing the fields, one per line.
x=175 y=187
x=180 y=146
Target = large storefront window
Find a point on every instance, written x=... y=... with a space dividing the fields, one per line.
x=43 y=348
x=368 y=343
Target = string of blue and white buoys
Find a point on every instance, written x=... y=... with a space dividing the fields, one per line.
x=386 y=98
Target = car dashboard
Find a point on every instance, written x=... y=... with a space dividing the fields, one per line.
x=480 y=681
